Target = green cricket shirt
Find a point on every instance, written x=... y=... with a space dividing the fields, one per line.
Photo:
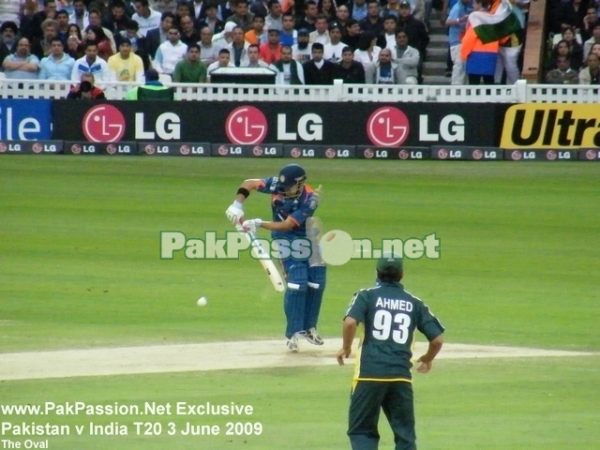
x=390 y=316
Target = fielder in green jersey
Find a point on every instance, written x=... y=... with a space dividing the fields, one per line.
x=382 y=376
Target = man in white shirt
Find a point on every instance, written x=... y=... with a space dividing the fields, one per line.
x=253 y=57
x=273 y=20
x=90 y=63
x=147 y=18
x=80 y=15
x=334 y=50
x=169 y=53
x=223 y=61
x=302 y=51
x=320 y=35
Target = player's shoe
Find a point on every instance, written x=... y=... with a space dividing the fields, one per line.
x=292 y=343
x=313 y=337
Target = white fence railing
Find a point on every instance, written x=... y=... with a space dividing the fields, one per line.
x=520 y=92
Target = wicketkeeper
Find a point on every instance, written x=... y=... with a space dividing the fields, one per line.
x=293 y=203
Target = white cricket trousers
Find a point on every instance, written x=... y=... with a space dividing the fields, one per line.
x=508 y=58
x=458 y=66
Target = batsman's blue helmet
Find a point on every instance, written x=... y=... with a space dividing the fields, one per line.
x=290 y=176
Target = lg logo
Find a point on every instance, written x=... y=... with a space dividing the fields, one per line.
x=103 y=123
x=246 y=125
x=388 y=127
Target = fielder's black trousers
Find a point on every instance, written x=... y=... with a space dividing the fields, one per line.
x=367 y=400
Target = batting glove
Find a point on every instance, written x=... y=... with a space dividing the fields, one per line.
x=252 y=225
x=235 y=213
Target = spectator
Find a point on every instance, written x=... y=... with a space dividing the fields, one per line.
x=590 y=21
x=163 y=6
x=257 y=35
x=563 y=74
x=75 y=48
x=569 y=15
x=223 y=61
x=117 y=20
x=358 y=10
x=21 y=65
x=209 y=52
x=387 y=39
x=9 y=31
x=353 y=34
x=152 y=89
x=259 y=8
x=327 y=9
x=243 y=17
x=211 y=20
x=288 y=35
x=80 y=16
x=41 y=46
x=416 y=32
x=384 y=71
x=159 y=35
x=289 y=71
x=406 y=57
x=342 y=15
x=32 y=29
x=137 y=42
x=62 y=20
x=480 y=58
x=189 y=34
x=96 y=21
x=198 y=10
x=334 y=50
x=254 y=57
x=391 y=9
x=564 y=49
x=182 y=10
x=170 y=53
x=321 y=33
x=274 y=20
x=224 y=38
x=575 y=49
x=191 y=69
x=317 y=71
x=310 y=17
x=58 y=65
x=367 y=52
x=238 y=47
x=457 y=23
x=271 y=50
x=302 y=50
x=591 y=73
x=595 y=50
x=96 y=34
x=90 y=63
x=126 y=65
x=348 y=70
x=147 y=18
x=86 y=89
x=373 y=23
x=595 y=39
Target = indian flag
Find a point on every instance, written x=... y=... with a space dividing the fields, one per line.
x=493 y=25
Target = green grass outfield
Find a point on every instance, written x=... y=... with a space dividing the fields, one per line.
x=80 y=267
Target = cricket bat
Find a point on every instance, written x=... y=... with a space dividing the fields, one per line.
x=266 y=262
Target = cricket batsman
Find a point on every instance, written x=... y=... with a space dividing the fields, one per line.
x=293 y=203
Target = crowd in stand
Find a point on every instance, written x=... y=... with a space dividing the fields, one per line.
x=302 y=41
x=574 y=42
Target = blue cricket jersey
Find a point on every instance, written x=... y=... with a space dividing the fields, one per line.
x=298 y=210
